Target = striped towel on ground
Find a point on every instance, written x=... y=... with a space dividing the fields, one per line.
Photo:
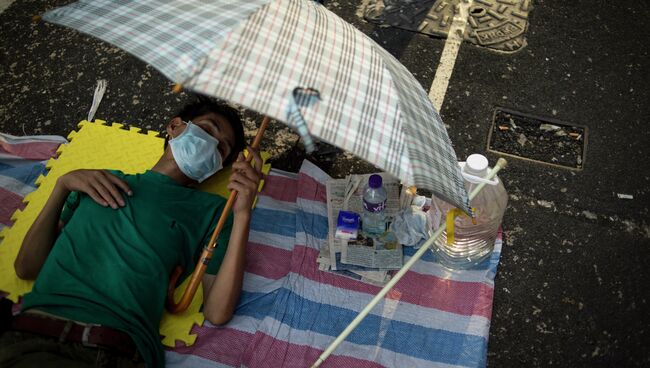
x=290 y=311
x=22 y=160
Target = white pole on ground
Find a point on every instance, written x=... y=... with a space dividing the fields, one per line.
x=501 y=163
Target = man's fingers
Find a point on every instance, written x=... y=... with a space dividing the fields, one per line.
x=244 y=179
x=239 y=187
x=256 y=160
x=247 y=170
x=120 y=183
x=239 y=165
x=104 y=193
x=112 y=190
x=254 y=172
x=95 y=196
x=107 y=190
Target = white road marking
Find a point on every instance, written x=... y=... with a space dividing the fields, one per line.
x=449 y=53
x=4 y=4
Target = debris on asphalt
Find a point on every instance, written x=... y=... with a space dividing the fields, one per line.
x=537 y=138
x=522 y=139
x=545 y=204
x=590 y=215
x=624 y=196
x=549 y=127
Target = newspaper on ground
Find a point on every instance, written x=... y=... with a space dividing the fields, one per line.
x=372 y=253
x=369 y=263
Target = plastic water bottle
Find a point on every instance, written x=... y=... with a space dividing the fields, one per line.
x=473 y=238
x=374 y=206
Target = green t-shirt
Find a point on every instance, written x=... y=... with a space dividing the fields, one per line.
x=112 y=267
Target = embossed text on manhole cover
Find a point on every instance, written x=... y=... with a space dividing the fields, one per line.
x=496 y=24
x=540 y=139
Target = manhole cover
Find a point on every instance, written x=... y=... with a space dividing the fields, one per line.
x=538 y=139
x=496 y=24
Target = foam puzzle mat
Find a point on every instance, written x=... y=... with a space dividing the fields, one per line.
x=97 y=145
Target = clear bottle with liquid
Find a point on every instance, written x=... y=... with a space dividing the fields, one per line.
x=473 y=239
x=373 y=219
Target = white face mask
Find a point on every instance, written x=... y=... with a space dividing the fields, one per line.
x=196 y=153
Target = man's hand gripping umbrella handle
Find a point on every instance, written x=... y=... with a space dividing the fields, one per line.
x=206 y=256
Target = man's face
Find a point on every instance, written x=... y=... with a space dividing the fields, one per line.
x=215 y=125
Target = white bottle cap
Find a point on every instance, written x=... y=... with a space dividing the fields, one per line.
x=476 y=165
x=419 y=201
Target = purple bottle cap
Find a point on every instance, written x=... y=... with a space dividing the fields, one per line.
x=374 y=181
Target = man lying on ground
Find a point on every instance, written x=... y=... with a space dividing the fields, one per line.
x=104 y=245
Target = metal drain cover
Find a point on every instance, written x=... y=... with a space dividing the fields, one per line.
x=496 y=24
x=540 y=139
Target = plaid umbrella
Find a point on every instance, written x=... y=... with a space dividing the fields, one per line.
x=292 y=60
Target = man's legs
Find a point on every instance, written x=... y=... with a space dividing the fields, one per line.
x=26 y=350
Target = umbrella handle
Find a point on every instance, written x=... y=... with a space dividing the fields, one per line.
x=185 y=301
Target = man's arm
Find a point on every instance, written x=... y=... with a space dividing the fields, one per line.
x=41 y=236
x=221 y=292
x=100 y=185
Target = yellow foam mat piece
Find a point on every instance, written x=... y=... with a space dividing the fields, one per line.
x=97 y=145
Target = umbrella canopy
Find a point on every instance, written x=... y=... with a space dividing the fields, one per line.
x=292 y=60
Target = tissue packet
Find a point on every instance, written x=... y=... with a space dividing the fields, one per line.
x=347 y=225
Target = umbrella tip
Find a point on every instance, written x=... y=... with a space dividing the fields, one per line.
x=36 y=18
x=502 y=162
x=178 y=88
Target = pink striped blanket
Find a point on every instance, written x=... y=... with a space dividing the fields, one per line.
x=290 y=311
x=22 y=160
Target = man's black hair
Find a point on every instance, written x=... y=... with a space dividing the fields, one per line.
x=206 y=105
